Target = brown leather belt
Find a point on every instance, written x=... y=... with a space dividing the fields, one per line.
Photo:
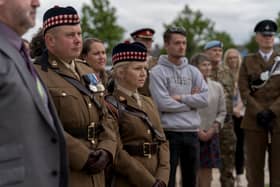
x=88 y=133
x=146 y=149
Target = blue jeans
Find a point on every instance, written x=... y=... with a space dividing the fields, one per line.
x=184 y=146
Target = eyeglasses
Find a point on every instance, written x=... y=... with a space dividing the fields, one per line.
x=176 y=30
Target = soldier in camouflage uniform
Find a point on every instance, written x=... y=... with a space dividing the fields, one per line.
x=145 y=36
x=222 y=74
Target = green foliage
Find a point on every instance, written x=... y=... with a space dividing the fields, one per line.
x=225 y=38
x=99 y=21
x=252 y=45
x=278 y=22
x=199 y=30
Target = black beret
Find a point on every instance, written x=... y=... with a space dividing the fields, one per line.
x=58 y=16
x=143 y=33
x=129 y=52
x=266 y=27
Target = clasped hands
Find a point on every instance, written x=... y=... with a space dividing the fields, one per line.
x=97 y=161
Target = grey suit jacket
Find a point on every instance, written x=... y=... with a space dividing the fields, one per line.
x=32 y=145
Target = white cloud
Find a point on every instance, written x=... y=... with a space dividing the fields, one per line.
x=237 y=17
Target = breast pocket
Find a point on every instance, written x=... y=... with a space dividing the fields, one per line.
x=11 y=164
x=68 y=105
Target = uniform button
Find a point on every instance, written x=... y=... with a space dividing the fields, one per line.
x=54 y=173
x=89 y=105
x=63 y=94
x=54 y=140
x=148 y=131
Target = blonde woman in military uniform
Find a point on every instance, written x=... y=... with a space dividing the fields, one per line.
x=143 y=155
x=78 y=97
x=145 y=36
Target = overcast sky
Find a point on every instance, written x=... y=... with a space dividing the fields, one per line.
x=236 y=17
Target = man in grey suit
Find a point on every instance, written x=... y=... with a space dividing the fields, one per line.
x=32 y=145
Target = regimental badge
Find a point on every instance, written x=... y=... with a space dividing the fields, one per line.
x=100 y=87
x=267 y=27
x=93 y=88
x=264 y=75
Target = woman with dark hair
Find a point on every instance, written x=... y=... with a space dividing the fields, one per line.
x=94 y=53
x=212 y=118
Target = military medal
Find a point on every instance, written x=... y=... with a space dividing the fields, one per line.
x=93 y=88
x=264 y=76
x=100 y=87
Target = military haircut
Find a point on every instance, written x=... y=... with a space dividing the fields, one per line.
x=173 y=30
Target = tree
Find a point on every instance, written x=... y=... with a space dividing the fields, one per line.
x=224 y=37
x=99 y=21
x=199 y=30
x=278 y=22
x=252 y=45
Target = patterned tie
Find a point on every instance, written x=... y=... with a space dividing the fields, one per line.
x=31 y=69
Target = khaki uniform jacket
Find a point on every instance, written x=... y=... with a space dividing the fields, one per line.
x=267 y=97
x=78 y=111
x=145 y=90
x=137 y=171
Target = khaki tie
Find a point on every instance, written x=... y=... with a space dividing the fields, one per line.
x=265 y=57
x=137 y=98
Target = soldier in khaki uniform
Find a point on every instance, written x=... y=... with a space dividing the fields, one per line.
x=260 y=90
x=142 y=159
x=78 y=97
x=221 y=73
x=145 y=36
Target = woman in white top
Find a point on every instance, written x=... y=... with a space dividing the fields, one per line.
x=212 y=118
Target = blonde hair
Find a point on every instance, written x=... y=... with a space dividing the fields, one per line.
x=119 y=69
x=236 y=71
